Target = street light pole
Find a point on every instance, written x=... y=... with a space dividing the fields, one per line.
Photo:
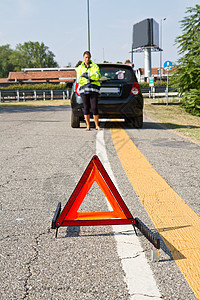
x=88 y=24
x=163 y=19
x=132 y=47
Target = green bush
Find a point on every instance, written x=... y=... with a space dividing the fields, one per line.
x=156 y=83
x=143 y=84
x=191 y=101
x=160 y=83
x=186 y=73
x=43 y=86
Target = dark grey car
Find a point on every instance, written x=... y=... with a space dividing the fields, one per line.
x=120 y=97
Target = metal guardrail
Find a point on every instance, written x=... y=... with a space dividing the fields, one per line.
x=157 y=91
x=26 y=95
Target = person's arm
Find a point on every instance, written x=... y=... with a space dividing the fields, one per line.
x=80 y=76
x=95 y=75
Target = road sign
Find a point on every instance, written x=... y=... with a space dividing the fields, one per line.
x=119 y=214
x=167 y=65
x=151 y=81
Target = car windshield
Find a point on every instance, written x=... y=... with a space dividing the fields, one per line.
x=113 y=73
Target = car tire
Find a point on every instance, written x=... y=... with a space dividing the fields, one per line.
x=75 y=121
x=138 y=121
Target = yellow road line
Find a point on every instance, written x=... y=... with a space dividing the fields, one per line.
x=177 y=223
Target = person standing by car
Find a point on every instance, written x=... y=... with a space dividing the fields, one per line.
x=88 y=78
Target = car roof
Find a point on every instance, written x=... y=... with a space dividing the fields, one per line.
x=114 y=65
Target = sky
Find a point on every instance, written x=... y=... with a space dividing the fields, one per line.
x=62 y=26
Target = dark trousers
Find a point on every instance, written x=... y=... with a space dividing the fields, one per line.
x=90 y=101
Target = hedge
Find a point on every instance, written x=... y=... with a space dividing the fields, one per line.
x=43 y=86
x=156 y=83
x=51 y=86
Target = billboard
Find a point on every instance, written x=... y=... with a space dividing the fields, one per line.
x=146 y=34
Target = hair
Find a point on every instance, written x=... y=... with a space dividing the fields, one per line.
x=87 y=52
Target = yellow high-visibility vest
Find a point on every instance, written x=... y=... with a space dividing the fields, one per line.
x=92 y=83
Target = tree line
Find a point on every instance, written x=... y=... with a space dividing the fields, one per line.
x=27 y=55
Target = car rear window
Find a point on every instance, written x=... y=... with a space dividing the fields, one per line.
x=114 y=73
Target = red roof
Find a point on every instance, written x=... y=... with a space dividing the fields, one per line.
x=53 y=76
x=154 y=71
x=3 y=80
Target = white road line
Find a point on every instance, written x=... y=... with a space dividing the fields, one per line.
x=138 y=274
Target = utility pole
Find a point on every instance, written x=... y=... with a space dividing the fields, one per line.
x=88 y=23
x=132 y=48
x=161 y=21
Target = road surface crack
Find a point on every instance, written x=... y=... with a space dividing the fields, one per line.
x=134 y=256
x=31 y=261
x=146 y=295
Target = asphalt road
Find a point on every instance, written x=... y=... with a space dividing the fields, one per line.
x=42 y=160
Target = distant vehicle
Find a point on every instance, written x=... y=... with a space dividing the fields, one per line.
x=120 y=97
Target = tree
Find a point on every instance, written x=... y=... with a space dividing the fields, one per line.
x=33 y=55
x=6 y=64
x=187 y=73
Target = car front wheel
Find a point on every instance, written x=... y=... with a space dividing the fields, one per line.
x=75 y=121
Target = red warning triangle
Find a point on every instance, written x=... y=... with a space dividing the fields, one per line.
x=95 y=172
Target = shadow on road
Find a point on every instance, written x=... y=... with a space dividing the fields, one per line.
x=146 y=125
x=166 y=246
x=103 y=124
x=22 y=109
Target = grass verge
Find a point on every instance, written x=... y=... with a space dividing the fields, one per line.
x=173 y=116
